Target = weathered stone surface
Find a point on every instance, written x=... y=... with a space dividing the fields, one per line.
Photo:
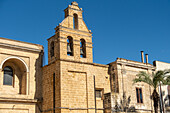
x=25 y=60
x=74 y=75
x=73 y=91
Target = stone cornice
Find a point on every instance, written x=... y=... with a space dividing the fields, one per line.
x=89 y=63
x=3 y=99
x=19 y=47
x=73 y=16
x=144 y=66
x=21 y=41
x=73 y=9
x=60 y=26
x=74 y=33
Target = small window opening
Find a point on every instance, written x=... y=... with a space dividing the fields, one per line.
x=139 y=95
x=82 y=48
x=8 y=76
x=69 y=46
x=75 y=21
x=52 y=49
x=98 y=93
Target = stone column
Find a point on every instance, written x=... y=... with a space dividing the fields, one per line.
x=1 y=78
x=27 y=83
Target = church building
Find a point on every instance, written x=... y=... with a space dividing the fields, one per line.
x=70 y=82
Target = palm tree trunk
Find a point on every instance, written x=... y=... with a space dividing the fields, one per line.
x=156 y=109
x=155 y=97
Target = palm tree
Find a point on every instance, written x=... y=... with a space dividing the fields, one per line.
x=154 y=80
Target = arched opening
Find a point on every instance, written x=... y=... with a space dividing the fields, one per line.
x=14 y=75
x=52 y=49
x=69 y=46
x=75 y=21
x=82 y=48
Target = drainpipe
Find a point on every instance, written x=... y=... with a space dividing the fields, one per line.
x=54 y=93
x=94 y=93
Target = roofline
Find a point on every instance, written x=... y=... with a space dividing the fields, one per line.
x=161 y=61
x=21 y=41
x=132 y=61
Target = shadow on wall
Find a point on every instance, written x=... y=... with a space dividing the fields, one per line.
x=167 y=101
x=38 y=80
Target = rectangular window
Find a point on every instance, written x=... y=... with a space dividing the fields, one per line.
x=98 y=93
x=139 y=95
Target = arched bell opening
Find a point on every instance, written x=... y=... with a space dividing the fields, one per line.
x=14 y=76
x=69 y=46
x=82 y=48
x=52 y=49
x=75 y=21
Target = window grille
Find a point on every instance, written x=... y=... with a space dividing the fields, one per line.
x=98 y=93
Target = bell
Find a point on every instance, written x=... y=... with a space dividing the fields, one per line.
x=68 y=48
x=81 y=52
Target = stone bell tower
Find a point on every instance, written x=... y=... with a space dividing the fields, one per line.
x=68 y=79
x=72 y=39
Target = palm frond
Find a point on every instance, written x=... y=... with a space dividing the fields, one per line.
x=154 y=79
x=166 y=81
x=143 y=77
x=163 y=76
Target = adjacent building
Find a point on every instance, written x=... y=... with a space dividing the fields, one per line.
x=122 y=73
x=20 y=76
x=70 y=82
x=164 y=90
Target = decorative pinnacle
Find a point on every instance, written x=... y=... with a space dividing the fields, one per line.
x=74 y=3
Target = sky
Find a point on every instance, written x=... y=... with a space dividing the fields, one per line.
x=121 y=28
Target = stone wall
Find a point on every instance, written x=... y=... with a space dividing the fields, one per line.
x=126 y=71
x=25 y=61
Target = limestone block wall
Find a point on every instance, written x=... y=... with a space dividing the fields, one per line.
x=74 y=87
x=76 y=35
x=126 y=71
x=48 y=99
x=64 y=30
x=15 y=107
x=53 y=39
x=77 y=86
x=26 y=60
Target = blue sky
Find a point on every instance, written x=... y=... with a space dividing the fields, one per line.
x=121 y=28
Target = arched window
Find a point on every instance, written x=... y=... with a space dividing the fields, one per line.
x=82 y=48
x=75 y=21
x=52 y=49
x=8 y=76
x=69 y=46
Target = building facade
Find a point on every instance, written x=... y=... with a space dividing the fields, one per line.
x=164 y=91
x=71 y=82
x=20 y=76
x=122 y=73
x=70 y=65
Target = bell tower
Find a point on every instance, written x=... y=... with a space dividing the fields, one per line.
x=72 y=40
x=68 y=79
